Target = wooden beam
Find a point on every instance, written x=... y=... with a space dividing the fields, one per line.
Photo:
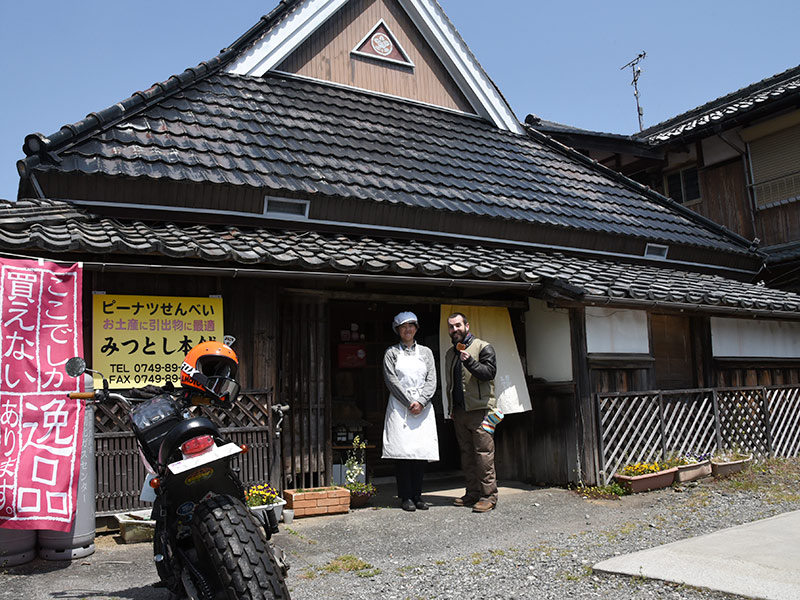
x=406 y=298
x=586 y=446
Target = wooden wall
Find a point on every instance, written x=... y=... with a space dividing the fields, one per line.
x=540 y=446
x=747 y=374
x=326 y=56
x=727 y=201
x=618 y=379
x=304 y=384
x=778 y=224
x=725 y=198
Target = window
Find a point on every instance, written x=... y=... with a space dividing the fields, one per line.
x=616 y=331
x=775 y=164
x=684 y=186
x=746 y=338
x=286 y=208
x=657 y=251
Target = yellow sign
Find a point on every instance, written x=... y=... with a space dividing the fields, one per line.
x=142 y=340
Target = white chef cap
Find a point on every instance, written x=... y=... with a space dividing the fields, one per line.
x=404 y=317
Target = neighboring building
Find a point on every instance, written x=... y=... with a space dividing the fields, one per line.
x=344 y=160
x=735 y=160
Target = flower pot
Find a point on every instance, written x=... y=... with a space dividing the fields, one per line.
x=693 y=471
x=318 y=501
x=359 y=501
x=647 y=482
x=277 y=505
x=723 y=468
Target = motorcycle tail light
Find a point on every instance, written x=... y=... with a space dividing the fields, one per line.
x=197 y=445
x=155 y=483
x=245 y=448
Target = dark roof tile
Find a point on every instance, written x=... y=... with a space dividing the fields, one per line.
x=283 y=134
x=731 y=107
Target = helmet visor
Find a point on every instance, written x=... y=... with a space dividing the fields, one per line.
x=223 y=387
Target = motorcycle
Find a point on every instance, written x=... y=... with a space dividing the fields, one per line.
x=207 y=544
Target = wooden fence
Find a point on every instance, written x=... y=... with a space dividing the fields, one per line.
x=120 y=471
x=653 y=425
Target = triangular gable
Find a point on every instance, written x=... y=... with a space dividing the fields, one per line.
x=382 y=44
x=432 y=24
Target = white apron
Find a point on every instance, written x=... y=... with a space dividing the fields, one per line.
x=406 y=435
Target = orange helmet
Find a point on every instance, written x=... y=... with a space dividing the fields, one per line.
x=210 y=368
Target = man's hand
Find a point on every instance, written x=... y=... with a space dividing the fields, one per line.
x=464 y=355
x=415 y=408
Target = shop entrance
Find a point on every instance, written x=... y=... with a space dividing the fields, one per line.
x=360 y=333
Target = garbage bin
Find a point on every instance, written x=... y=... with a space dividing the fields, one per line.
x=79 y=540
x=17 y=546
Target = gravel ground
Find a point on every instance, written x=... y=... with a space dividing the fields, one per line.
x=540 y=543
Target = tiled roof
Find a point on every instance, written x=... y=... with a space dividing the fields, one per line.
x=732 y=106
x=67 y=230
x=782 y=253
x=552 y=127
x=290 y=135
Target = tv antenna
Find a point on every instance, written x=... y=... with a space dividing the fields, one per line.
x=637 y=71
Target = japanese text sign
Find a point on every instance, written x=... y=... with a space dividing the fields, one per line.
x=142 y=340
x=41 y=429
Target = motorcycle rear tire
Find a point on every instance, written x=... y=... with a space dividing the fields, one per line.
x=233 y=544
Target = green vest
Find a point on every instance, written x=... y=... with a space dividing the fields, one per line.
x=477 y=394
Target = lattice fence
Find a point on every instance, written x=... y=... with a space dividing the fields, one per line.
x=649 y=426
x=119 y=470
x=784 y=415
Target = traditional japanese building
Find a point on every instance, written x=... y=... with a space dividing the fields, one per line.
x=345 y=160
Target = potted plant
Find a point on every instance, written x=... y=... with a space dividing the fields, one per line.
x=692 y=466
x=360 y=492
x=729 y=462
x=263 y=496
x=643 y=477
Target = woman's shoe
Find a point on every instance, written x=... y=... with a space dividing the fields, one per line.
x=408 y=505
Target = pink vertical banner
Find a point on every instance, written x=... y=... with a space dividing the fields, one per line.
x=41 y=429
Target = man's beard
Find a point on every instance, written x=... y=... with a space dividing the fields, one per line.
x=457 y=336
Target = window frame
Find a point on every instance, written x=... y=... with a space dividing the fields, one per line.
x=300 y=216
x=681 y=172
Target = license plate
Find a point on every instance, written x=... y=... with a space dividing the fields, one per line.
x=216 y=453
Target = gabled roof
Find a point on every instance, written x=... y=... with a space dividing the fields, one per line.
x=766 y=95
x=279 y=41
x=586 y=139
x=258 y=250
x=287 y=135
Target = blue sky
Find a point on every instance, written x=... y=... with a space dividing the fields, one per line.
x=558 y=60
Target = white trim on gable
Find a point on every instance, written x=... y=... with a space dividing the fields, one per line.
x=451 y=49
x=281 y=41
x=277 y=44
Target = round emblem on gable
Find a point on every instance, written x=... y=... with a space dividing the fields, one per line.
x=382 y=44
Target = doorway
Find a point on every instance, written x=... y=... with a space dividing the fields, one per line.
x=360 y=333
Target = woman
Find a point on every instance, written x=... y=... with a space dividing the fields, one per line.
x=409 y=430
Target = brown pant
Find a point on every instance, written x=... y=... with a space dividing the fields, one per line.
x=477 y=454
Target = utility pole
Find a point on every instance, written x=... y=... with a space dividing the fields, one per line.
x=634 y=65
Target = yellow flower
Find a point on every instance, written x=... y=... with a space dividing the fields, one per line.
x=263 y=493
x=635 y=469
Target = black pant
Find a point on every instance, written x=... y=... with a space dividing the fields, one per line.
x=409 y=475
